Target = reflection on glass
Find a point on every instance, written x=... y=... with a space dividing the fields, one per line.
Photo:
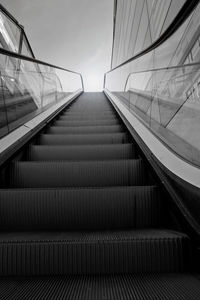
x=28 y=87
x=9 y=34
x=12 y=37
x=25 y=48
x=168 y=100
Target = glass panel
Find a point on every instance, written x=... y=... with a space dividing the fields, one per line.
x=169 y=101
x=142 y=30
x=135 y=27
x=25 y=48
x=138 y=23
x=150 y=5
x=130 y=18
x=9 y=34
x=158 y=16
x=27 y=88
x=3 y=113
x=147 y=40
x=174 y=8
x=117 y=33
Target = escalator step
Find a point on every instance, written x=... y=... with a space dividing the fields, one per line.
x=85 y=129
x=86 y=123
x=85 y=109
x=87 y=118
x=81 y=152
x=68 y=139
x=89 y=113
x=77 y=174
x=105 y=252
x=80 y=209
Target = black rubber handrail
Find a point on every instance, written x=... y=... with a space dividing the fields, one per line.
x=184 y=12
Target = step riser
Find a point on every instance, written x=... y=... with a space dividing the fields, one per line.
x=90 y=108
x=90 y=113
x=83 y=118
x=81 y=209
x=85 y=123
x=85 y=129
x=57 y=153
x=84 y=139
x=61 y=258
x=77 y=174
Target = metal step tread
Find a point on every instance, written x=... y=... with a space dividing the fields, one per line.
x=177 y=286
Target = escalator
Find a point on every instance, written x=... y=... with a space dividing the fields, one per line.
x=83 y=216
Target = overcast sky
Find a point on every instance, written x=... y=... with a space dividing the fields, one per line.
x=75 y=34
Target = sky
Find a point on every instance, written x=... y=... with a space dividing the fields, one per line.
x=74 y=34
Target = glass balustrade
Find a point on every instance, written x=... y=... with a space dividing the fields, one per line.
x=162 y=88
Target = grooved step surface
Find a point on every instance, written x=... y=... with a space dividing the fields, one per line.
x=169 y=286
x=61 y=253
x=77 y=174
x=86 y=152
x=83 y=139
x=79 y=209
x=85 y=129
